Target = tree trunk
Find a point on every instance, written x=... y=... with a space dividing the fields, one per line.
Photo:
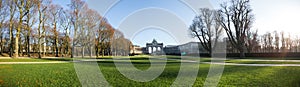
x=56 y=47
x=102 y=52
x=11 y=41
x=72 y=51
x=1 y=44
x=39 y=48
x=91 y=52
x=82 y=50
x=16 y=50
x=28 y=46
x=67 y=50
x=242 y=52
x=209 y=52
x=21 y=49
x=96 y=52
x=44 y=45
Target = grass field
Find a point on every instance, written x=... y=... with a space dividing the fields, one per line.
x=65 y=75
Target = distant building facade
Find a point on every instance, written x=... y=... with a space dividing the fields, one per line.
x=157 y=48
x=187 y=48
x=136 y=50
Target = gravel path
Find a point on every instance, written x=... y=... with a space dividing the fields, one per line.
x=35 y=62
x=236 y=64
x=190 y=61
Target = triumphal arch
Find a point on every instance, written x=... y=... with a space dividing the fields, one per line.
x=154 y=47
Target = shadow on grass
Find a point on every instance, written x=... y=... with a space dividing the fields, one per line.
x=139 y=58
x=139 y=62
x=58 y=59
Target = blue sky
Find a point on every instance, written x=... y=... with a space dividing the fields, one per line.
x=167 y=21
x=149 y=24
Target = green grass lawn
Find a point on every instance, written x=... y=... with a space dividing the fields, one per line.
x=65 y=75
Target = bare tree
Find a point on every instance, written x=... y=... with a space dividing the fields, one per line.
x=297 y=43
x=283 y=42
x=75 y=7
x=54 y=11
x=37 y=25
x=12 y=11
x=22 y=12
x=252 y=43
x=269 y=42
x=116 y=42
x=30 y=21
x=264 y=42
x=104 y=37
x=276 y=41
x=65 y=22
x=92 y=25
x=120 y=45
x=3 y=17
x=289 y=42
x=236 y=19
x=41 y=25
x=86 y=32
x=206 y=29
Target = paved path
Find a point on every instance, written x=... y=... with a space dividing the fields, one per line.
x=13 y=58
x=35 y=62
x=29 y=57
x=267 y=60
x=189 y=61
x=236 y=64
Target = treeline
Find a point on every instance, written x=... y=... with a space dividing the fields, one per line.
x=274 y=42
x=235 y=18
x=39 y=28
